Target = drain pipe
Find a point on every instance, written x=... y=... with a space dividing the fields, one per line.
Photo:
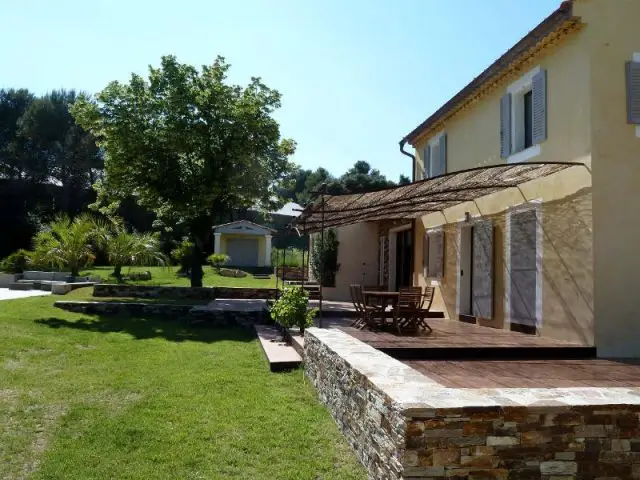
x=402 y=143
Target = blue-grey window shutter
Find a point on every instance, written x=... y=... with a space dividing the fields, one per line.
x=505 y=126
x=633 y=92
x=426 y=160
x=443 y=154
x=482 y=276
x=539 y=87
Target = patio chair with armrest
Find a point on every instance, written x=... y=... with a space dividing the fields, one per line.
x=425 y=307
x=368 y=315
x=410 y=310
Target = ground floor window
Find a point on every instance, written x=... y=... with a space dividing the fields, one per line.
x=433 y=254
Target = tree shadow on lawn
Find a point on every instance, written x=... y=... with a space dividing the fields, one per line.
x=147 y=327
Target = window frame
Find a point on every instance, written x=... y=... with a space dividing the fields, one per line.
x=428 y=254
x=434 y=145
x=518 y=90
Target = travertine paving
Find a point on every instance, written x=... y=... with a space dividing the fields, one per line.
x=6 y=294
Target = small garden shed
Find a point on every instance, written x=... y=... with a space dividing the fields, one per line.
x=246 y=243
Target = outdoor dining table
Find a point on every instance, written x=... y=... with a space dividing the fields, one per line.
x=385 y=297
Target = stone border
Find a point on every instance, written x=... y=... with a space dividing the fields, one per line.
x=125 y=308
x=196 y=314
x=403 y=424
x=194 y=293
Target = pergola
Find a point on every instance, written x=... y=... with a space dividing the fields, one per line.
x=419 y=198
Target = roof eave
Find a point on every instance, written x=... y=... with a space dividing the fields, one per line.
x=547 y=27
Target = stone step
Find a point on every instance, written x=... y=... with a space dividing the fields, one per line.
x=21 y=285
x=280 y=355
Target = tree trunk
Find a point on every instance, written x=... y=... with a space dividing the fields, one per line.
x=117 y=272
x=197 y=236
x=196 y=265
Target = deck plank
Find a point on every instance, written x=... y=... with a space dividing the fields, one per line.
x=531 y=374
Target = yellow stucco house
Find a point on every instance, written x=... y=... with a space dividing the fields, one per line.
x=556 y=251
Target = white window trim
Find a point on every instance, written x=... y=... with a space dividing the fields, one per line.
x=461 y=223
x=525 y=155
x=381 y=245
x=523 y=82
x=393 y=242
x=425 y=268
x=636 y=58
x=519 y=87
x=433 y=142
x=531 y=205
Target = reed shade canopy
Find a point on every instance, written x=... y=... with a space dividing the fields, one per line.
x=419 y=198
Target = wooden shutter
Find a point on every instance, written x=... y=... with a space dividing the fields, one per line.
x=523 y=268
x=539 y=88
x=436 y=254
x=633 y=92
x=505 y=126
x=426 y=161
x=443 y=154
x=482 y=279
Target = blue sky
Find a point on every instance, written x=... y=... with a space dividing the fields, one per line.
x=355 y=75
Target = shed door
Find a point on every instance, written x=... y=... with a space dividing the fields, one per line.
x=523 y=271
x=243 y=252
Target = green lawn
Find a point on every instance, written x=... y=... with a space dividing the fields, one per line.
x=167 y=276
x=88 y=397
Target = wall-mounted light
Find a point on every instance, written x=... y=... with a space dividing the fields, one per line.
x=467 y=217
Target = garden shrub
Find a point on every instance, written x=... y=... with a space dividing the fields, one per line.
x=17 y=262
x=138 y=276
x=218 y=260
x=324 y=261
x=292 y=309
x=182 y=255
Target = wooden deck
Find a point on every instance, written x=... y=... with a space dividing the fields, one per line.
x=530 y=374
x=459 y=341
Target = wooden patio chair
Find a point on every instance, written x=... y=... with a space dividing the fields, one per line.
x=410 y=310
x=355 y=298
x=368 y=315
x=425 y=307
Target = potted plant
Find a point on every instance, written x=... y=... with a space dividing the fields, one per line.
x=292 y=309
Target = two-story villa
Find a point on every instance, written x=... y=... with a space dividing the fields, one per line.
x=525 y=206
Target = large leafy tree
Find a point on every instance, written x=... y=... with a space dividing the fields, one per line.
x=14 y=158
x=188 y=145
x=67 y=151
x=302 y=184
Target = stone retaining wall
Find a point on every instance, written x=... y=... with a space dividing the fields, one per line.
x=6 y=279
x=371 y=423
x=197 y=293
x=196 y=314
x=125 y=308
x=402 y=424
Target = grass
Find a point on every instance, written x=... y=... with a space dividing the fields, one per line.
x=90 y=397
x=167 y=276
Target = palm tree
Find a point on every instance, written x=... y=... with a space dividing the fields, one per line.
x=126 y=249
x=66 y=243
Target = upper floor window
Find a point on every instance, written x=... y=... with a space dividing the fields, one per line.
x=434 y=157
x=523 y=117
